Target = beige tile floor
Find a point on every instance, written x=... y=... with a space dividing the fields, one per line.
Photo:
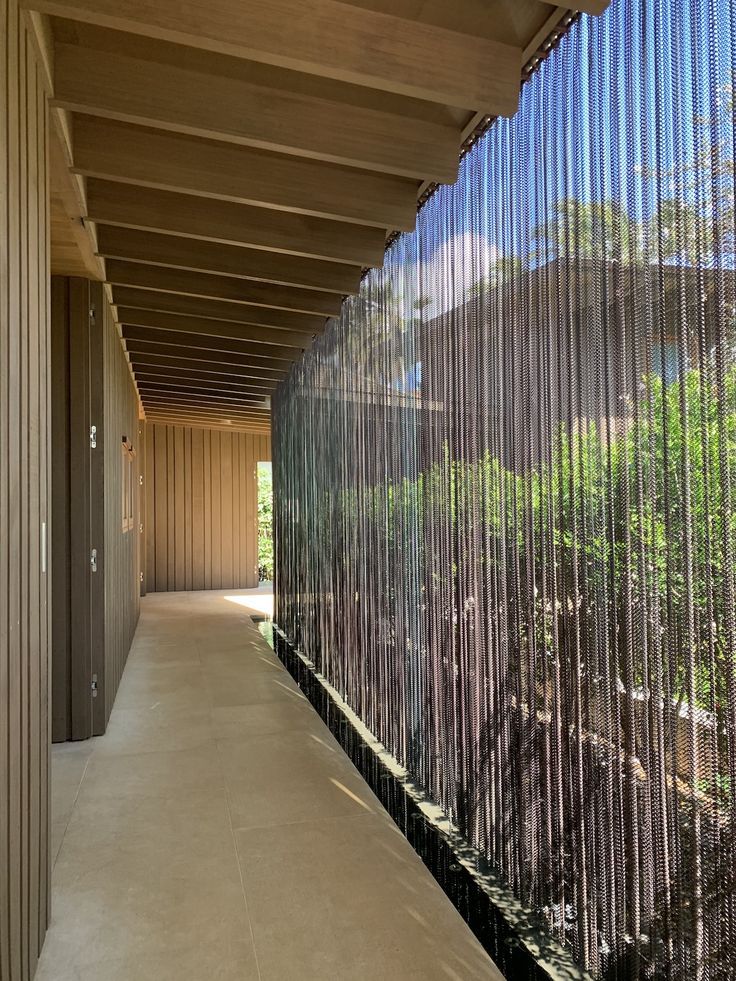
x=217 y=832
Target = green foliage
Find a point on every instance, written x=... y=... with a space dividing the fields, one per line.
x=624 y=523
x=265 y=521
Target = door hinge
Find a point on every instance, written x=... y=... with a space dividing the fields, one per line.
x=93 y=437
x=141 y=577
x=92 y=315
x=93 y=560
x=140 y=479
x=93 y=686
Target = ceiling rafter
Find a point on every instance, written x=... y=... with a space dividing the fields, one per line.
x=176 y=161
x=156 y=320
x=375 y=50
x=213 y=309
x=213 y=286
x=156 y=248
x=232 y=110
x=229 y=168
x=223 y=221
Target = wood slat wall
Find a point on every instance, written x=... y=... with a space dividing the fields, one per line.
x=61 y=523
x=201 y=507
x=121 y=557
x=71 y=640
x=95 y=613
x=24 y=497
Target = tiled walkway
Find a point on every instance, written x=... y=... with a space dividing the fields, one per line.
x=218 y=832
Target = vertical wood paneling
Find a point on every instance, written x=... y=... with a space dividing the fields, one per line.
x=197 y=513
x=226 y=507
x=179 y=521
x=72 y=461
x=24 y=500
x=207 y=510
x=170 y=509
x=215 y=503
x=202 y=507
x=150 y=499
x=95 y=612
x=122 y=565
x=143 y=526
x=61 y=512
x=92 y=314
x=242 y=547
x=44 y=596
x=187 y=510
x=79 y=483
x=158 y=489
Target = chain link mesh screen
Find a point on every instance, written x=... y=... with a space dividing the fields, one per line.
x=504 y=494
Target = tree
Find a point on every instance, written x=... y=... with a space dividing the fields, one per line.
x=599 y=230
x=265 y=521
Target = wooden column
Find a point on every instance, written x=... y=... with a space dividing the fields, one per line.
x=24 y=501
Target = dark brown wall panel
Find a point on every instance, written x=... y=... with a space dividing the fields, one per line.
x=61 y=642
x=95 y=612
x=121 y=559
x=201 y=508
x=24 y=501
x=72 y=462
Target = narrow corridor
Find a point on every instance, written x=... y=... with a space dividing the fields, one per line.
x=218 y=832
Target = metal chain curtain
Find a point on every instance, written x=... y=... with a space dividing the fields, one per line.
x=504 y=494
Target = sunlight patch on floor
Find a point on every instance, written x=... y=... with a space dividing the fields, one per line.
x=261 y=602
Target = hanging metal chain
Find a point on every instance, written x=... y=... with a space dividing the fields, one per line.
x=504 y=507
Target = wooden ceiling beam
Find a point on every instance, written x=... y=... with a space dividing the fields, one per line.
x=229 y=109
x=239 y=224
x=228 y=260
x=141 y=361
x=210 y=408
x=243 y=361
x=224 y=421
x=203 y=397
x=213 y=328
x=247 y=292
x=255 y=407
x=177 y=162
x=255 y=413
x=196 y=341
x=176 y=382
x=197 y=380
x=192 y=306
x=197 y=422
x=212 y=360
x=164 y=417
x=327 y=38
x=72 y=250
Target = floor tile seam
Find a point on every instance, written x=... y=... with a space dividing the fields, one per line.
x=70 y=812
x=111 y=754
x=150 y=752
x=242 y=882
x=172 y=798
x=215 y=793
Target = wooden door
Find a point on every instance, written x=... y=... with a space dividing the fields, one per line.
x=78 y=494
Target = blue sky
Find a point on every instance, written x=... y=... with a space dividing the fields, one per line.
x=620 y=93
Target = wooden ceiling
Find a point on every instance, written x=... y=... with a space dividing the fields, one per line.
x=229 y=167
